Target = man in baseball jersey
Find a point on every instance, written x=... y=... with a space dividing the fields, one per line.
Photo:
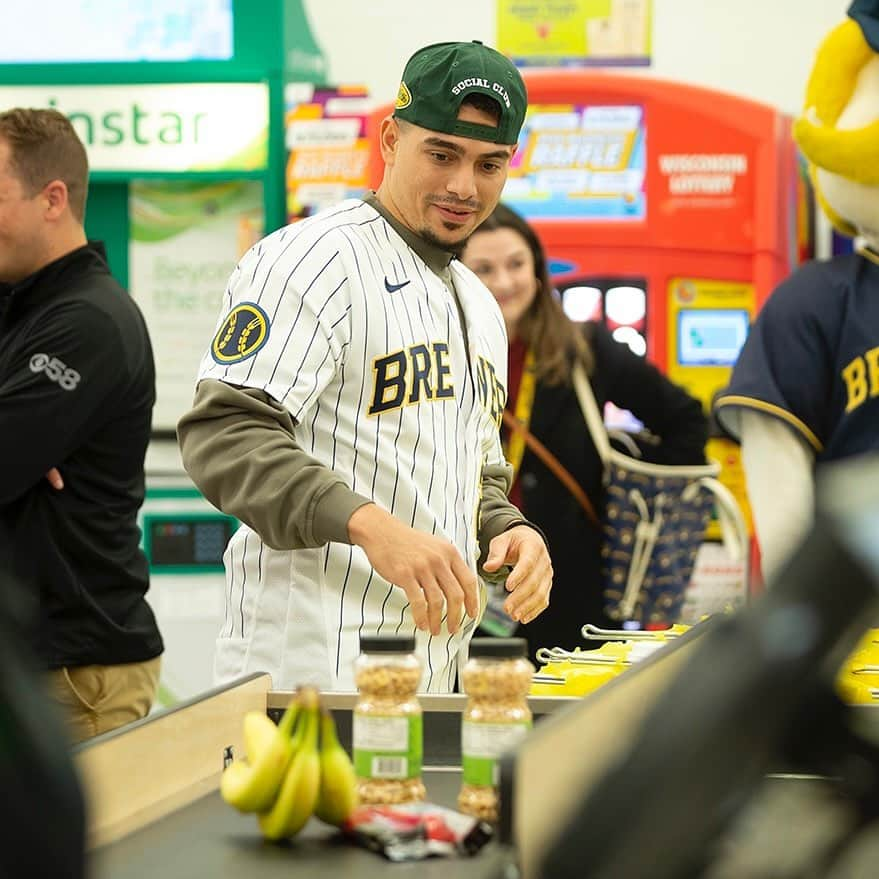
x=348 y=409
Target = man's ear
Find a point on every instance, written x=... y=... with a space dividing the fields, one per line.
x=56 y=198
x=389 y=139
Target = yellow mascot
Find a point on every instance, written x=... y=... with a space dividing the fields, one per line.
x=805 y=389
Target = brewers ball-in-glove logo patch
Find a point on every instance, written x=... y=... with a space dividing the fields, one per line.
x=404 y=97
x=243 y=332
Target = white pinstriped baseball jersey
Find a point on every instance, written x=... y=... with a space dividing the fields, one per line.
x=339 y=320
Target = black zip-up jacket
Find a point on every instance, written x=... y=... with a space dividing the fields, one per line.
x=77 y=387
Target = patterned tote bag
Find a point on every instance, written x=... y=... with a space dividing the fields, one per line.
x=653 y=523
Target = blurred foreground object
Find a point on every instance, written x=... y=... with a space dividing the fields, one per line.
x=757 y=691
x=42 y=812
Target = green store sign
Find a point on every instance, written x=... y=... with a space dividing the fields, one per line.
x=175 y=127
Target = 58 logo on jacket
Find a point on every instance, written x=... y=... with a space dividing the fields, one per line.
x=55 y=370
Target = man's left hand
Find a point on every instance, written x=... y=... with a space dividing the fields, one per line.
x=530 y=580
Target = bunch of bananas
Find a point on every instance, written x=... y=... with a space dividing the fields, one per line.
x=293 y=770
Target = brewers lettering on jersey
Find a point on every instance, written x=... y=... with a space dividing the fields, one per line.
x=812 y=357
x=341 y=322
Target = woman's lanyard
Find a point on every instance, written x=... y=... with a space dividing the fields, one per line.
x=515 y=446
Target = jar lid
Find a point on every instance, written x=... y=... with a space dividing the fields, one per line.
x=387 y=643
x=506 y=648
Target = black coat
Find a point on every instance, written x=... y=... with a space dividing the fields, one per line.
x=77 y=386
x=667 y=410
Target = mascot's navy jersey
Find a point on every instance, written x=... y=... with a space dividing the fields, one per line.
x=812 y=357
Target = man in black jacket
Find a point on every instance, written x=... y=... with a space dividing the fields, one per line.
x=77 y=387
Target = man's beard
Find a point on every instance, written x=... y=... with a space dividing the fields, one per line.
x=456 y=247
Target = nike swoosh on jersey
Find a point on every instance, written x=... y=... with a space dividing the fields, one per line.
x=391 y=288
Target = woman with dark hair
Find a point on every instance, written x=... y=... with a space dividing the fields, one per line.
x=544 y=346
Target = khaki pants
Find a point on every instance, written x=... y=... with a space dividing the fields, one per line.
x=98 y=698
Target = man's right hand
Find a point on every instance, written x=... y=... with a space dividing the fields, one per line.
x=429 y=569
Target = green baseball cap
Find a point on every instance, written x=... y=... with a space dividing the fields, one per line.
x=437 y=78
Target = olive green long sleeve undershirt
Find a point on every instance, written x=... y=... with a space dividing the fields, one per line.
x=239 y=447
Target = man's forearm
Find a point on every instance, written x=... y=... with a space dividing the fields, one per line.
x=239 y=448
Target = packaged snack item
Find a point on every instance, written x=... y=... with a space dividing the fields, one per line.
x=496 y=679
x=387 y=721
x=412 y=831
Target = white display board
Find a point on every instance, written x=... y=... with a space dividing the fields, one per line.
x=185 y=241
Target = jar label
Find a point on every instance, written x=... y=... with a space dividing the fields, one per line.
x=482 y=744
x=387 y=746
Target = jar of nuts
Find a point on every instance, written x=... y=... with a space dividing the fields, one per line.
x=496 y=679
x=387 y=739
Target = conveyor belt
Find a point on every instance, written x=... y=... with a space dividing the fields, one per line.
x=210 y=839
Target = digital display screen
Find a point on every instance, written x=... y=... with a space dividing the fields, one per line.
x=711 y=337
x=578 y=162
x=77 y=31
x=188 y=542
